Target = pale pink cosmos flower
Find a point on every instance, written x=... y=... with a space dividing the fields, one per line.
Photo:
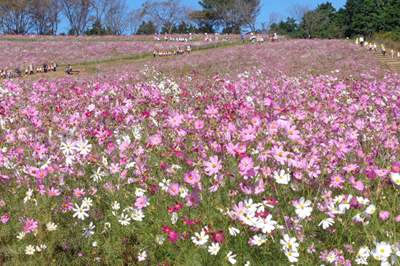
x=78 y=192
x=384 y=215
x=246 y=164
x=175 y=120
x=212 y=166
x=173 y=189
x=192 y=177
x=155 y=140
x=141 y=202
x=53 y=192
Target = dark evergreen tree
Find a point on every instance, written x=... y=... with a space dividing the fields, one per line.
x=147 y=28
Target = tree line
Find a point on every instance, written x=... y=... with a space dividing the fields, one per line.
x=357 y=17
x=101 y=17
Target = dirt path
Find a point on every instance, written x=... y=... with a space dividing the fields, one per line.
x=392 y=63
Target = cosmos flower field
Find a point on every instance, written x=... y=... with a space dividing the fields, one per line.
x=20 y=51
x=292 y=158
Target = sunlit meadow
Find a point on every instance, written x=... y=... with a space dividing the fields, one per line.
x=268 y=154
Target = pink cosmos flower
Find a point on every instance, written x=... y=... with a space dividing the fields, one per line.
x=78 y=192
x=192 y=177
x=40 y=174
x=155 y=140
x=337 y=181
x=384 y=215
x=198 y=124
x=395 y=167
x=173 y=236
x=30 y=225
x=141 y=202
x=246 y=165
x=5 y=218
x=173 y=189
x=279 y=154
x=175 y=120
x=397 y=219
x=53 y=192
x=212 y=166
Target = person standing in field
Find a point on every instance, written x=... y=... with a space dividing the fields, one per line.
x=383 y=50
x=30 y=69
x=362 y=41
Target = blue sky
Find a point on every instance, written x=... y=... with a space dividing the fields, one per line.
x=279 y=7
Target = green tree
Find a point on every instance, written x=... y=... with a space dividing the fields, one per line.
x=288 y=27
x=147 y=28
x=97 y=29
x=230 y=15
x=323 y=22
x=364 y=17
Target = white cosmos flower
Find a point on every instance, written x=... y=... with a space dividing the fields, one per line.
x=362 y=256
x=292 y=255
x=139 y=192
x=115 y=206
x=231 y=257
x=89 y=230
x=20 y=235
x=370 y=209
x=174 y=218
x=258 y=240
x=124 y=219
x=98 y=175
x=68 y=147
x=137 y=215
x=30 y=250
x=83 y=147
x=80 y=212
x=87 y=202
x=282 y=177
x=326 y=223
x=233 y=231
x=289 y=243
x=214 y=248
x=51 y=226
x=199 y=239
x=267 y=225
x=303 y=208
x=142 y=256
x=41 y=247
x=395 y=177
x=382 y=251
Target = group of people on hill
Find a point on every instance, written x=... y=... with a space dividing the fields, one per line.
x=373 y=47
x=176 y=51
x=166 y=38
x=29 y=70
x=255 y=38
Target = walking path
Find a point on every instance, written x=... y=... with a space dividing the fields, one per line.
x=392 y=63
